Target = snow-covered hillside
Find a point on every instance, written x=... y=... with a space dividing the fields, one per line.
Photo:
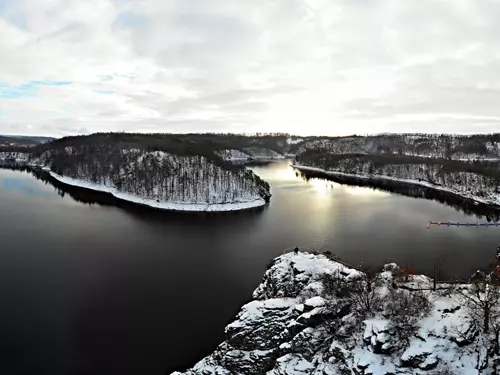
x=312 y=315
x=426 y=145
x=249 y=154
x=14 y=156
x=156 y=178
x=265 y=153
x=479 y=187
x=232 y=154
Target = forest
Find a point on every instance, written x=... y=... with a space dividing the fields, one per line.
x=152 y=166
x=179 y=144
x=457 y=147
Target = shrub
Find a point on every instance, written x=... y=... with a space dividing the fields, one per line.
x=405 y=308
x=335 y=285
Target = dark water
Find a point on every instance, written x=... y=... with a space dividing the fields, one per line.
x=100 y=289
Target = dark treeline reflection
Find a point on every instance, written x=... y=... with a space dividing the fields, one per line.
x=85 y=196
x=460 y=204
x=90 y=197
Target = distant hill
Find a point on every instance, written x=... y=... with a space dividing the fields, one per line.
x=24 y=139
x=21 y=143
x=456 y=147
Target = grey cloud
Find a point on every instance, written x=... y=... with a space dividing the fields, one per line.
x=306 y=66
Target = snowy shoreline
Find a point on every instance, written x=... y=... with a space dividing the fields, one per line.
x=162 y=205
x=426 y=184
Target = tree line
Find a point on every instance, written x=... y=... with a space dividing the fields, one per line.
x=429 y=145
x=133 y=166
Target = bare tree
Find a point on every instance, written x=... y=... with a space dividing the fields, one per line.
x=437 y=270
x=406 y=308
x=336 y=285
x=364 y=294
x=482 y=297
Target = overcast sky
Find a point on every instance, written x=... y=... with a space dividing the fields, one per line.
x=299 y=66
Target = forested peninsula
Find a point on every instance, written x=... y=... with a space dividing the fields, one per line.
x=160 y=171
x=464 y=166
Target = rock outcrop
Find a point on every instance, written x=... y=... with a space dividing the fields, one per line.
x=299 y=324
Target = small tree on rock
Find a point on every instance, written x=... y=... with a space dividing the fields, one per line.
x=482 y=298
x=405 y=308
x=335 y=285
x=365 y=296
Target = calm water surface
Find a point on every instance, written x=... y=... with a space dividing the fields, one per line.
x=100 y=289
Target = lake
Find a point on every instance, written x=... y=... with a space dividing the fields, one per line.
x=104 y=289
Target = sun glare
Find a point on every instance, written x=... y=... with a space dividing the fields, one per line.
x=321 y=186
x=365 y=192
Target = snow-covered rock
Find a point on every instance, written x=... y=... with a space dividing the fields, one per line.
x=378 y=335
x=315 y=302
x=293 y=327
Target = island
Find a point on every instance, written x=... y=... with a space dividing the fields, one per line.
x=313 y=314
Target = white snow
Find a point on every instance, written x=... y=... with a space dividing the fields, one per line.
x=315 y=301
x=374 y=363
x=285 y=345
x=295 y=141
x=300 y=307
x=292 y=364
x=171 y=206
x=375 y=326
x=255 y=310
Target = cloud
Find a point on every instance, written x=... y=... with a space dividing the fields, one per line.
x=26 y=90
x=301 y=66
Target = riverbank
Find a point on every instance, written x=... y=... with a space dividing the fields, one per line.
x=311 y=314
x=161 y=205
x=491 y=200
